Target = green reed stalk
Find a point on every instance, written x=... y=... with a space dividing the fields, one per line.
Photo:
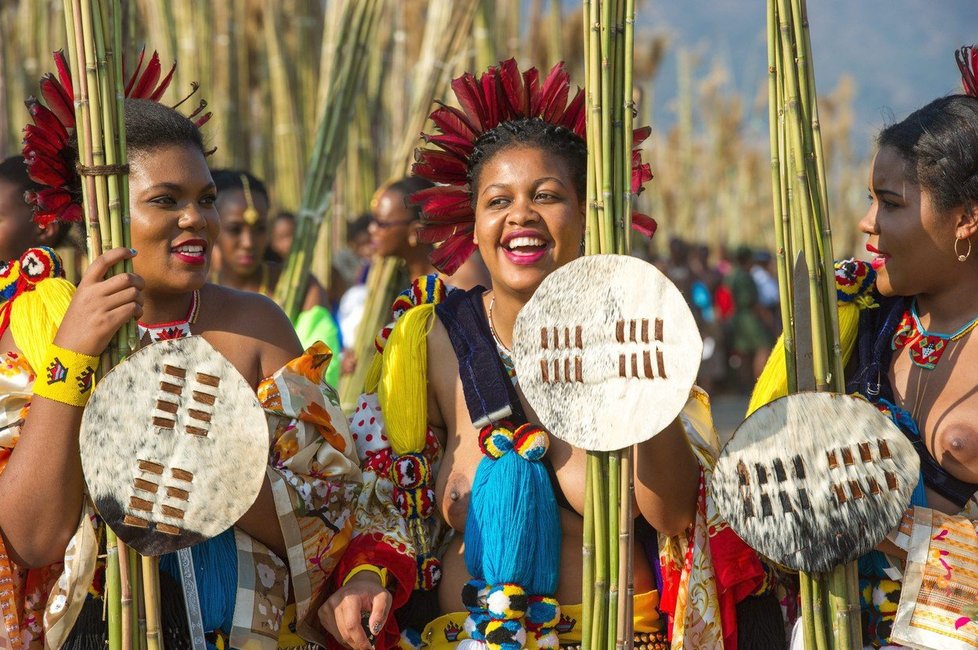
x=597 y=474
x=590 y=571
x=614 y=501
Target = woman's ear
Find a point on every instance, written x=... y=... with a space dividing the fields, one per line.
x=50 y=235
x=967 y=222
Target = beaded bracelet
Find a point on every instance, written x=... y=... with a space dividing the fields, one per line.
x=68 y=376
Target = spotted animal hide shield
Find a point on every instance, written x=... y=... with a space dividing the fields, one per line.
x=815 y=480
x=174 y=445
x=606 y=351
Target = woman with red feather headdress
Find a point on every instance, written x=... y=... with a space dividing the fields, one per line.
x=285 y=546
x=498 y=563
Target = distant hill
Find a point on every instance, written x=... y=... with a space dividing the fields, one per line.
x=899 y=52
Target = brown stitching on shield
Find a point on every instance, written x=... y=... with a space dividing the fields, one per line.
x=543 y=371
x=761 y=473
x=632 y=326
x=168 y=529
x=645 y=330
x=779 y=472
x=840 y=494
x=622 y=372
x=865 y=453
x=182 y=474
x=167 y=387
x=884 y=449
x=766 y=509
x=150 y=466
x=661 y=363
x=196 y=431
x=567 y=374
x=175 y=371
x=785 y=502
x=803 y=499
x=135 y=522
x=658 y=329
x=743 y=476
x=799 y=465
x=204 y=398
x=163 y=423
x=145 y=486
x=208 y=380
x=556 y=371
x=578 y=370
x=748 y=507
x=647 y=365
x=831 y=457
x=170 y=511
x=874 y=487
x=620 y=332
x=203 y=416
x=556 y=338
x=855 y=490
x=140 y=504
x=177 y=493
x=634 y=364
x=543 y=338
x=891 y=481
x=567 y=337
x=579 y=338
x=847 y=456
x=167 y=407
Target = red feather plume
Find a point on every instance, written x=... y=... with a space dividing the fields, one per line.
x=500 y=94
x=967 y=58
x=46 y=152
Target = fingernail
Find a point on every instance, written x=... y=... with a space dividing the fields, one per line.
x=132 y=250
x=377 y=627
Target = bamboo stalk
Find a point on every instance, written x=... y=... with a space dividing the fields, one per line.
x=590 y=570
x=615 y=556
x=113 y=590
x=125 y=596
x=151 y=596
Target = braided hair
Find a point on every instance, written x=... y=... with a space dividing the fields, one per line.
x=535 y=133
x=939 y=143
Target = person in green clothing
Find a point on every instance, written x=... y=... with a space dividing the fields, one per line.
x=239 y=260
x=751 y=330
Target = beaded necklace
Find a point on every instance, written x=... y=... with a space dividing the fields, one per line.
x=177 y=329
x=926 y=348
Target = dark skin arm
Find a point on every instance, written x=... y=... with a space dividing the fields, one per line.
x=38 y=517
x=266 y=326
x=666 y=480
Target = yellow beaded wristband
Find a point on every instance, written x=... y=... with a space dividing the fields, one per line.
x=380 y=572
x=68 y=377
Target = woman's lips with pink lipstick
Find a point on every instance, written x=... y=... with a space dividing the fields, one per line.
x=525 y=247
x=879 y=257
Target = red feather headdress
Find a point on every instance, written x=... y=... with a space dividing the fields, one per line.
x=49 y=158
x=967 y=58
x=499 y=95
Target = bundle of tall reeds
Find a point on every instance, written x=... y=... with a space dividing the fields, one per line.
x=830 y=605
x=447 y=25
x=358 y=22
x=94 y=37
x=608 y=522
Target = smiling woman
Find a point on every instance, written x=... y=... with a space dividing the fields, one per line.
x=279 y=542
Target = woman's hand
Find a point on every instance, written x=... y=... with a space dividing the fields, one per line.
x=342 y=612
x=101 y=306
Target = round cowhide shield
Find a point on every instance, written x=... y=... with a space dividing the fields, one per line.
x=815 y=480
x=173 y=445
x=606 y=351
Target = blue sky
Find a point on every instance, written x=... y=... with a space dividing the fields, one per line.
x=899 y=52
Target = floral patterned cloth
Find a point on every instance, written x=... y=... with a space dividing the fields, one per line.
x=315 y=482
x=938 y=607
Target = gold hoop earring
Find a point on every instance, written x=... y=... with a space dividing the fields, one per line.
x=962 y=258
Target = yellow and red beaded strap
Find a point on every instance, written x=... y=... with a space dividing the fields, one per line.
x=68 y=376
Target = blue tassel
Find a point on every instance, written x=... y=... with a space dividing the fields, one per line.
x=512 y=533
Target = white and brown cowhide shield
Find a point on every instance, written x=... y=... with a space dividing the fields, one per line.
x=815 y=480
x=173 y=445
x=606 y=351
